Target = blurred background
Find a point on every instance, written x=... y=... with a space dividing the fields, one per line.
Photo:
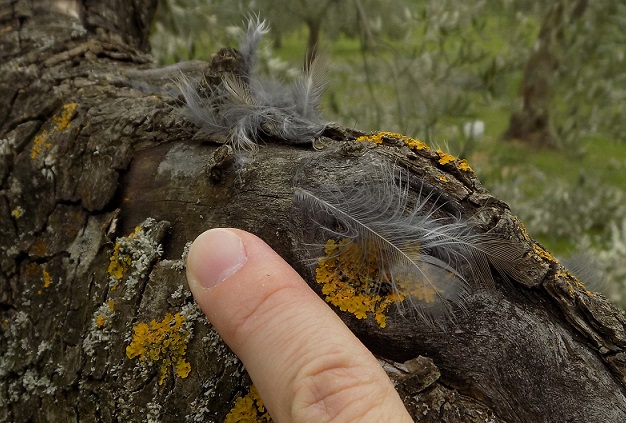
x=532 y=93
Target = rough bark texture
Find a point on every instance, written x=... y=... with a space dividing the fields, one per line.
x=91 y=146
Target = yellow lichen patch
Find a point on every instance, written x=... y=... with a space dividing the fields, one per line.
x=464 y=165
x=445 y=158
x=572 y=281
x=111 y=305
x=120 y=262
x=377 y=138
x=47 y=280
x=442 y=178
x=414 y=144
x=524 y=231
x=420 y=292
x=541 y=252
x=45 y=277
x=17 y=212
x=100 y=321
x=248 y=409
x=347 y=282
x=164 y=343
x=39 y=143
x=62 y=122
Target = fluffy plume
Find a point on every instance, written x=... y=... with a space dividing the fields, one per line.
x=249 y=43
x=246 y=107
x=428 y=258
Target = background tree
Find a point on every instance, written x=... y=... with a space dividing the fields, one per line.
x=103 y=183
x=570 y=73
x=533 y=123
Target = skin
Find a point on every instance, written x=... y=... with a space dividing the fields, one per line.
x=305 y=363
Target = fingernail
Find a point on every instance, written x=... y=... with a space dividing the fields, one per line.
x=215 y=255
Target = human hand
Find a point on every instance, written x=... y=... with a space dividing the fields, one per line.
x=305 y=363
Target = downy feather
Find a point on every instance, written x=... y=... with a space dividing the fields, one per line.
x=244 y=108
x=416 y=245
x=308 y=88
x=249 y=43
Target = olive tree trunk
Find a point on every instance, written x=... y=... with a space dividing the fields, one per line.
x=102 y=186
x=532 y=123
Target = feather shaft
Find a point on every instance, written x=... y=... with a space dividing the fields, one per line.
x=429 y=260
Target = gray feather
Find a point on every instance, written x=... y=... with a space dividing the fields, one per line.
x=308 y=88
x=245 y=108
x=438 y=252
x=249 y=43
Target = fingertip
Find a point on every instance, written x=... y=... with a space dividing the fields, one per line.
x=215 y=255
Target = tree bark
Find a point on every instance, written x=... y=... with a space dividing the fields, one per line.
x=532 y=124
x=103 y=184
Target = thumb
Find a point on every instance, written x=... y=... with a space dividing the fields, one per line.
x=305 y=363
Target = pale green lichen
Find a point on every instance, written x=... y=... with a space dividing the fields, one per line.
x=131 y=257
x=101 y=331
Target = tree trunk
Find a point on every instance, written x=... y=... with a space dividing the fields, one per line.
x=532 y=124
x=313 y=26
x=103 y=184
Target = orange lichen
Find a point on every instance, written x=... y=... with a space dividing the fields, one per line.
x=111 y=305
x=62 y=122
x=464 y=165
x=248 y=409
x=347 y=282
x=100 y=321
x=445 y=158
x=377 y=138
x=119 y=262
x=47 y=280
x=163 y=342
x=414 y=144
